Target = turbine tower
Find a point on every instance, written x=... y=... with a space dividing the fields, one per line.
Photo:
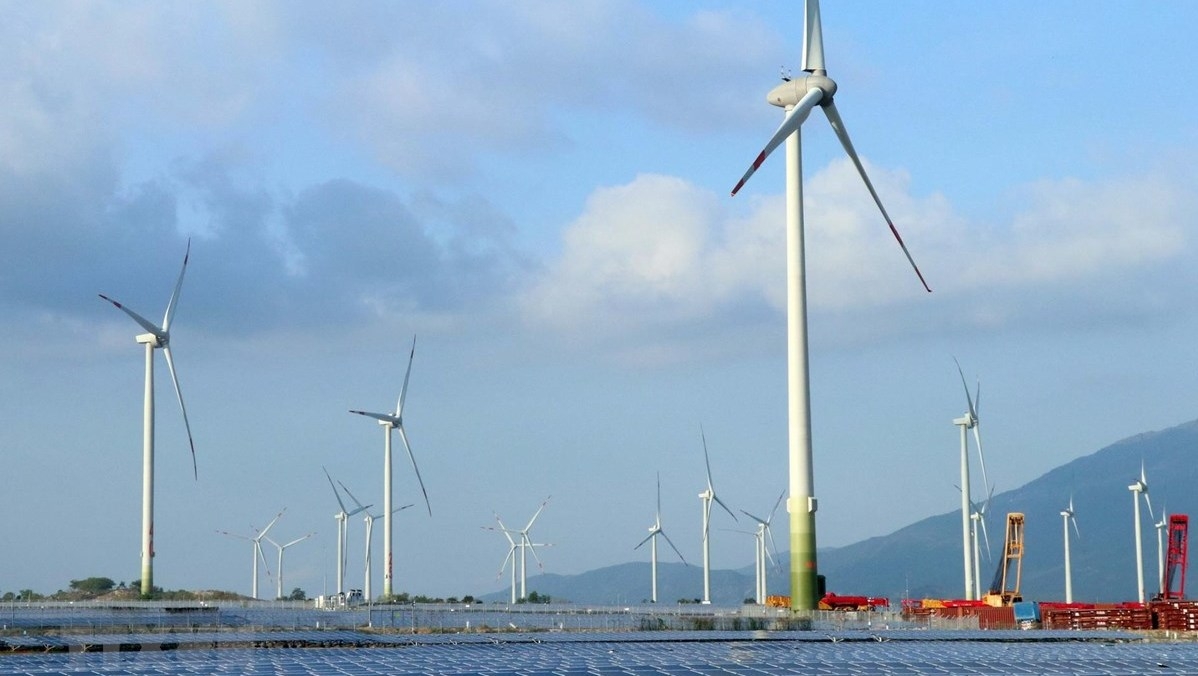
x=708 y=496
x=1067 y=517
x=977 y=517
x=391 y=421
x=282 y=548
x=256 y=542
x=155 y=337
x=969 y=421
x=1140 y=488
x=761 y=553
x=342 y=518
x=654 y=531
x=798 y=97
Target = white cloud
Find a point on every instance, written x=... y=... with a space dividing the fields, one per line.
x=662 y=255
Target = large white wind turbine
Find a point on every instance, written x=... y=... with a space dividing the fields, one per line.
x=1140 y=488
x=366 y=587
x=282 y=548
x=156 y=337
x=654 y=531
x=342 y=518
x=707 y=497
x=761 y=553
x=798 y=97
x=967 y=422
x=1067 y=517
x=256 y=542
x=391 y=421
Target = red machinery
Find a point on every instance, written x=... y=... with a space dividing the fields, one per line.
x=832 y=601
x=1175 y=558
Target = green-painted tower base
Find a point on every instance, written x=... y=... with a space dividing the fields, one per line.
x=804 y=573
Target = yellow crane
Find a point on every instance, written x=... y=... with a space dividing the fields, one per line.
x=1004 y=590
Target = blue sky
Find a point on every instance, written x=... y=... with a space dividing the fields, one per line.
x=539 y=191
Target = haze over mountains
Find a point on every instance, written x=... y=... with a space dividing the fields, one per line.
x=924 y=558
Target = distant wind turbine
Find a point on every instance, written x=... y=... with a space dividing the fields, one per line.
x=1140 y=488
x=256 y=542
x=511 y=553
x=762 y=554
x=798 y=97
x=342 y=518
x=391 y=421
x=654 y=531
x=707 y=497
x=282 y=548
x=524 y=544
x=1162 y=527
x=967 y=422
x=366 y=587
x=156 y=337
x=1067 y=518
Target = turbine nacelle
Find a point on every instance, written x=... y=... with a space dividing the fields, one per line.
x=789 y=93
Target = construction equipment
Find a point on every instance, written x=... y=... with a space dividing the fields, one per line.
x=1004 y=590
x=832 y=601
x=1175 y=559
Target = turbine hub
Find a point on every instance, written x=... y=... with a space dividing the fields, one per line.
x=153 y=339
x=788 y=93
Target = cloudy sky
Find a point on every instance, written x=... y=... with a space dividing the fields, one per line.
x=539 y=192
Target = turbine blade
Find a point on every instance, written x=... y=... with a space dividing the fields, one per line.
x=671 y=543
x=534 y=516
x=351 y=495
x=986 y=535
x=776 y=506
x=298 y=540
x=659 y=497
x=706 y=457
x=404 y=437
x=403 y=391
x=170 y=306
x=272 y=523
x=755 y=518
x=790 y=124
x=533 y=548
x=977 y=436
x=385 y=417
x=770 y=534
x=170 y=365
x=145 y=323
x=335 y=493
x=647 y=538
x=1073 y=520
x=717 y=499
x=968 y=398
x=813 y=38
x=843 y=135
x=1148 y=501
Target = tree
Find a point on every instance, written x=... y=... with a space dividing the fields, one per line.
x=297 y=594
x=93 y=585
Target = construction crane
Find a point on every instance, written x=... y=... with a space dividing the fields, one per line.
x=1175 y=559
x=1004 y=590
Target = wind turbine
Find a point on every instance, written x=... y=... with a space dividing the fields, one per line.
x=654 y=531
x=967 y=422
x=156 y=337
x=342 y=518
x=977 y=516
x=281 y=548
x=1161 y=527
x=708 y=496
x=369 y=536
x=256 y=541
x=763 y=531
x=1140 y=487
x=798 y=97
x=391 y=421
x=511 y=553
x=1067 y=517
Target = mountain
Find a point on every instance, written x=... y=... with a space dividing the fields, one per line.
x=924 y=558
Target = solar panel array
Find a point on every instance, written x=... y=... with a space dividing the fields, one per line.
x=638 y=654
